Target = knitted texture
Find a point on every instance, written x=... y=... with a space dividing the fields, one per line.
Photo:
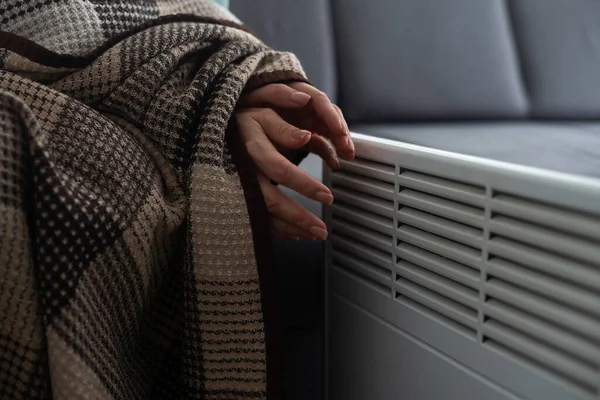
x=132 y=229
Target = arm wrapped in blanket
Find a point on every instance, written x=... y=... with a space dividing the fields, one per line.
x=134 y=253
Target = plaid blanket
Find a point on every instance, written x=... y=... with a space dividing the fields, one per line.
x=134 y=253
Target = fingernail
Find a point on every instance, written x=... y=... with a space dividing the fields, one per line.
x=300 y=98
x=319 y=232
x=336 y=161
x=350 y=143
x=343 y=126
x=324 y=197
x=300 y=135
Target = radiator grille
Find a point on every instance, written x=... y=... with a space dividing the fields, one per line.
x=362 y=246
x=438 y=245
x=542 y=292
x=520 y=277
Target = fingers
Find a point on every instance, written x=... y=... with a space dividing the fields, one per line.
x=345 y=143
x=275 y=95
x=286 y=231
x=296 y=96
x=272 y=163
x=323 y=148
x=287 y=210
x=349 y=142
x=323 y=107
x=341 y=114
x=332 y=117
x=278 y=130
x=278 y=168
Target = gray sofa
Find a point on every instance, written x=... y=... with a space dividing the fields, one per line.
x=470 y=100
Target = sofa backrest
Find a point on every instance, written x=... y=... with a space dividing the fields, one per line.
x=300 y=26
x=392 y=61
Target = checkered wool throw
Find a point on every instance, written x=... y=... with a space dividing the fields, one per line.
x=133 y=244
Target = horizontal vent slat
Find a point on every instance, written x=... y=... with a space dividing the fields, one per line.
x=372 y=169
x=439 y=265
x=553 y=217
x=446 y=248
x=436 y=283
x=442 y=227
x=365 y=235
x=444 y=208
x=546 y=239
x=545 y=285
x=449 y=309
x=363 y=218
x=545 y=262
x=463 y=193
x=542 y=354
x=363 y=267
x=370 y=186
x=558 y=314
x=352 y=246
x=362 y=200
x=539 y=329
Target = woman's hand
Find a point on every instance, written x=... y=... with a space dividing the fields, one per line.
x=308 y=108
x=309 y=121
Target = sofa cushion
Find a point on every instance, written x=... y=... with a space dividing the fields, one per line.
x=302 y=27
x=565 y=147
x=427 y=59
x=559 y=42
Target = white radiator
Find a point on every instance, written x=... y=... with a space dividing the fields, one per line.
x=491 y=267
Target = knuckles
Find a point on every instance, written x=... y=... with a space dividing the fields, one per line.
x=284 y=131
x=280 y=88
x=281 y=172
x=271 y=204
x=254 y=149
x=320 y=96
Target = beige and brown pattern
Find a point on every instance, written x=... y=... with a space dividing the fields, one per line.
x=133 y=247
